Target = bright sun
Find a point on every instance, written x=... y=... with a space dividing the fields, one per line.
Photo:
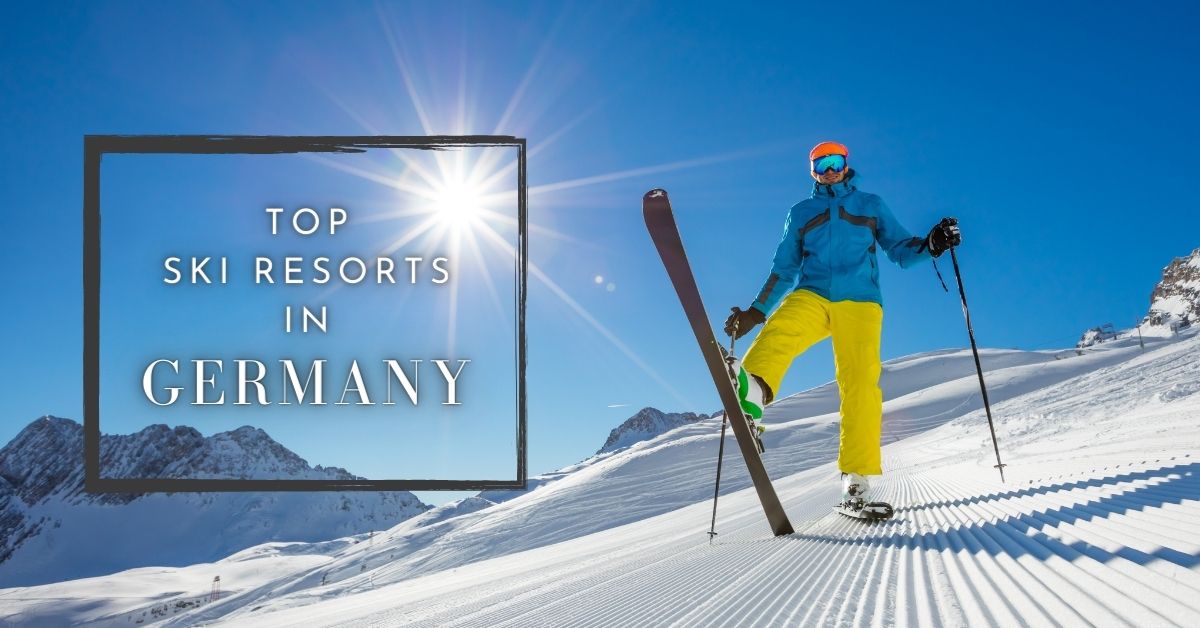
x=458 y=204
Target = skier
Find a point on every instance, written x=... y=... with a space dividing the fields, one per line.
x=825 y=280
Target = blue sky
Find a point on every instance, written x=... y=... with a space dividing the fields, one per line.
x=1061 y=135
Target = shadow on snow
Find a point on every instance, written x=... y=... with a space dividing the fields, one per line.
x=1021 y=534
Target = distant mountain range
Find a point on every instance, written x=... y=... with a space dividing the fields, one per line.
x=51 y=529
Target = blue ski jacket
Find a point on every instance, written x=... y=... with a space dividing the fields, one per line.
x=829 y=243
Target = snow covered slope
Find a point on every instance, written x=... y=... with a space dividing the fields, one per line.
x=50 y=529
x=1097 y=524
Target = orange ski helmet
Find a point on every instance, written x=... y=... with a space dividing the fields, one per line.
x=828 y=148
x=826 y=156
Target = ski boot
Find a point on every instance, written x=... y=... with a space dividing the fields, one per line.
x=855 y=489
x=753 y=396
x=856 y=499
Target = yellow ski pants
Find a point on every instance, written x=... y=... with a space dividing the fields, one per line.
x=804 y=319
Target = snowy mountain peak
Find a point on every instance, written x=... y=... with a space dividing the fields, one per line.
x=647 y=423
x=51 y=423
x=1176 y=299
x=30 y=474
x=46 y=431
x=1174 y=304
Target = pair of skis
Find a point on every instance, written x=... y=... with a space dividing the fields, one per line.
x=660 y=221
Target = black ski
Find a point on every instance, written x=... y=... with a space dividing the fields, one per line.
x=660 y=221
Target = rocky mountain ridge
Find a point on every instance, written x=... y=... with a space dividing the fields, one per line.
x=1176 y=298
x=1174 y=304
x=646 y=424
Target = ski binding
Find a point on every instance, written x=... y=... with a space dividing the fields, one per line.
x=868 y=511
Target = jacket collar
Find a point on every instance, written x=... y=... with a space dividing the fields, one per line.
x=836 y=190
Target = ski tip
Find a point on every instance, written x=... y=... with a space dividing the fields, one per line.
x=656 y=193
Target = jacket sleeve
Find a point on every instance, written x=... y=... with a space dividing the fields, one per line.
x=783 y=269
x=900 y=245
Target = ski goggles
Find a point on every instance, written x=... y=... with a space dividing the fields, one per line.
x=837 y=163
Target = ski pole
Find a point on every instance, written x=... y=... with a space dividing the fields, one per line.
x=962 y=293
x=712 y=530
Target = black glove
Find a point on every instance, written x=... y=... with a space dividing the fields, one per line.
x=745 y=320
x=944 y=235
